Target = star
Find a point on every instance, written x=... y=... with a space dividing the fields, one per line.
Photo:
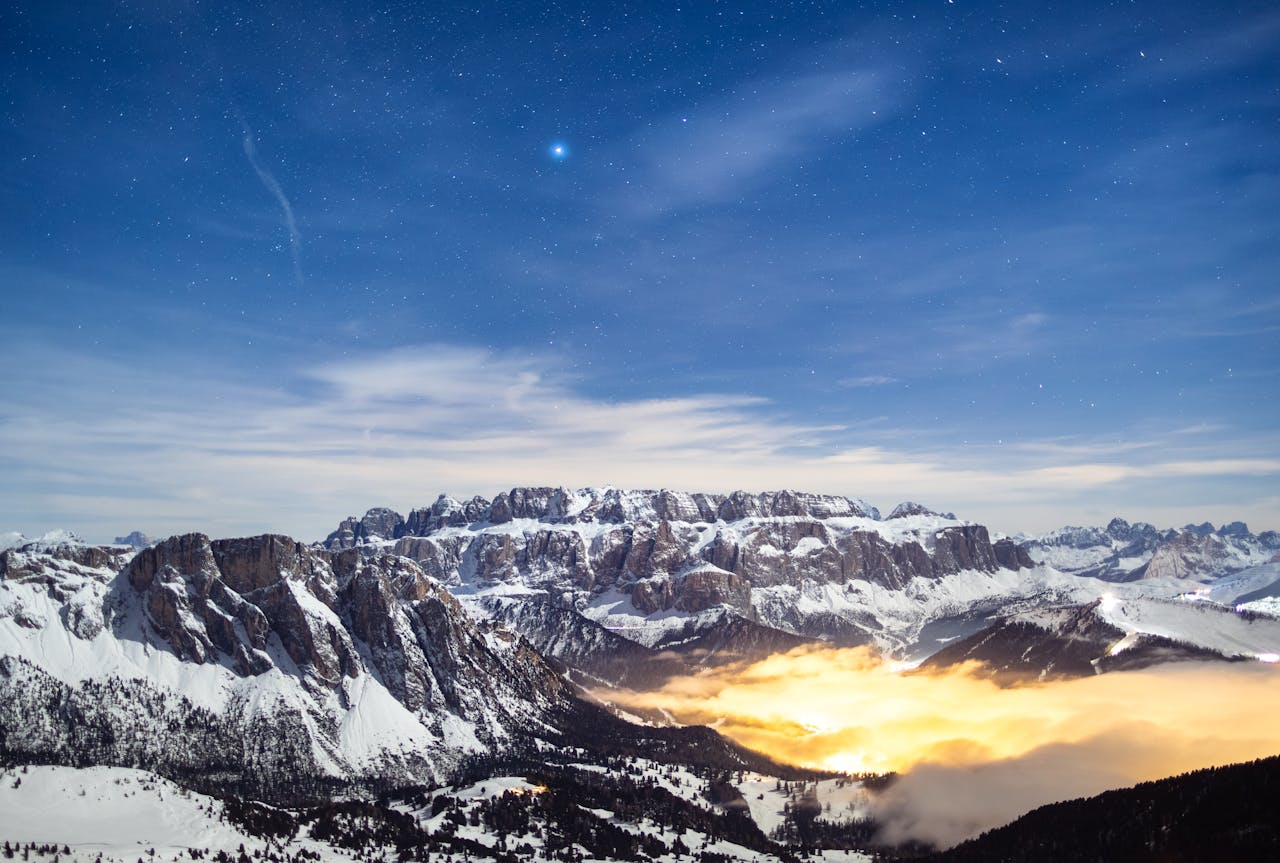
x=559 y=151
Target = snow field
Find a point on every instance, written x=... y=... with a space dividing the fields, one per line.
x=117 y=812
x=1205 y=624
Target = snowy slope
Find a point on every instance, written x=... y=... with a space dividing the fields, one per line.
x=372 y=725
x=1203 y=624
x=1122 y=551
x=1116 y=632
x=117 y=812
x=222 y=663
x=1248 y=585
x=662 y=568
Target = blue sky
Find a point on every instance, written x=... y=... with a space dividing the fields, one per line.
x=264 y=266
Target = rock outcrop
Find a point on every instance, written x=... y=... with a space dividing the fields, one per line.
x=1127 y=552
x=344 y=663
x=676 y=551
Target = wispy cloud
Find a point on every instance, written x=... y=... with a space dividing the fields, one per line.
x=866 y=381
x=715 y=150
x=177 y=451
x=277 y=191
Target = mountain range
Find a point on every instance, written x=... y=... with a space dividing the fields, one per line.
x=420 y=650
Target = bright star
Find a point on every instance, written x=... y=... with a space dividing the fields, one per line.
x=559 y=151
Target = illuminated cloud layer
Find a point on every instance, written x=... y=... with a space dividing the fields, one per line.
x=974 y=755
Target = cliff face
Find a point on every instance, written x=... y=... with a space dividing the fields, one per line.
x=259 y=662
x=1128 y=552
x=677 y=551
x=336 y=615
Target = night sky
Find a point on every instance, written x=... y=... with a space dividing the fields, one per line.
x=264 y=265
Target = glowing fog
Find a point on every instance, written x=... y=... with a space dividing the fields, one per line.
x=974 y=755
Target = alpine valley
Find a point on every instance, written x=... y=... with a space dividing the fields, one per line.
x=436 y=685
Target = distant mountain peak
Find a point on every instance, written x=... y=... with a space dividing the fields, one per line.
x=135 y=539
x=605 y=504
x=910 y=508
x=1123 y=552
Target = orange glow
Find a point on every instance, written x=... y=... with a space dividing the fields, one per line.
x=847 y=710
x=970 y=754
x=527 y=791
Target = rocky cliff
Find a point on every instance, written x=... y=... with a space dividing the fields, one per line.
x=259 y=662
x=1125 y=552
x=672 y=551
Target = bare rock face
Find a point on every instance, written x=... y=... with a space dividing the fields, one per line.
x=187 y=553
x=237 y=597
x=964 y=547
x=832 y=506
x=1010 y=555
x=439 y=557
x=722 y=552
x=378 y=523
x=781 y=504
x=445 y=512
x=495 y=556
x=196 y=591
x=654 y=548
x=25 y=561
x=560 y=552
x=864 y=555
x=329 y=638
x=680 y=506
x=1188 y=555
x=651 y=595
x=709 y=587
x=740 y=505
x=573 y=544
x=608 y=554
x=253 y=563
x=372 y=595
x=192 y=608
x=549 y=504
x=500 y=509
x=381 y=523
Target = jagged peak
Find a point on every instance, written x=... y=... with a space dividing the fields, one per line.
x=602 y=504
x=910 y=507
x=135 y=539
x=50 y=540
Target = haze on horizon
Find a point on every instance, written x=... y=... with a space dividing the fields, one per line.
x=263 y=267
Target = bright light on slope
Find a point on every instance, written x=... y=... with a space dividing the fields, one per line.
x=1021 y=745
x=812 y=705
x=1123 y=644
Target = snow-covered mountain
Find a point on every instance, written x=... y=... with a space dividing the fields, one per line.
x=1113 y=634
x=589 y=575
x=1123 y=552
x=265 y=666
x=256 y=658
x=54 y=538
x=443 y=647
x=662 y=566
